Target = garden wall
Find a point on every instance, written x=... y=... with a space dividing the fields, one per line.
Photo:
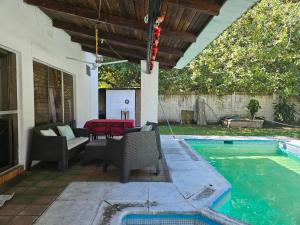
x=217 y=107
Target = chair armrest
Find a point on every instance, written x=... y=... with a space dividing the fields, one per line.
x=131 y=130
x=81 y=132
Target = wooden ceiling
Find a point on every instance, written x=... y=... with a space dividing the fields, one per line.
x=122 y=27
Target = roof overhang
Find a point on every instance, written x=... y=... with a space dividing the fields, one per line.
x=231 y=11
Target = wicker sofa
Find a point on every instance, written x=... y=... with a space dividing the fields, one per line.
x=136 y=150
x=56 y=148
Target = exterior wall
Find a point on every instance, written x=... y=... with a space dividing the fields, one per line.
x=28 y=32
x=217 y=107
x=115 y=103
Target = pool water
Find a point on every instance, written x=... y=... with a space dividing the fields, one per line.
x=167 y=219
x=265 y=180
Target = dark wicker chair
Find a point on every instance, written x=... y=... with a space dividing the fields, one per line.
x=155 y=128
x=49 y=148
x=135 y=150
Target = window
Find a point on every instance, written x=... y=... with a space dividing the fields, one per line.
x=8 y=110
x=68 y=98
x=53 y=95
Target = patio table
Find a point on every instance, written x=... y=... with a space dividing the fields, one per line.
x=108 y=126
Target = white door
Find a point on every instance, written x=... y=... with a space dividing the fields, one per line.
x=120 y=100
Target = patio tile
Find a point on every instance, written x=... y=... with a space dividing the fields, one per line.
x=93 y=191
x=132 y=191
x=53 y=190
x=45 y=183
x=33 y=210
x=69 y=212
x=5 y=219
x=166 y=191
x=16 y=190
x=172 y=206
x=11 y=210
x=177 y=157
x=45 y=199
x=33 y=191
x=23 y=199
x=23 y=220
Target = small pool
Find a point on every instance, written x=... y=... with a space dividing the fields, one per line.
x=265 y=179
x=168 y=219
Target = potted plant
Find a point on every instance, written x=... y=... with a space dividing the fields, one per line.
x=253 y=107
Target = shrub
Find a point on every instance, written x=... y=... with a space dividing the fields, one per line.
x=253 y=107
x=284 y=111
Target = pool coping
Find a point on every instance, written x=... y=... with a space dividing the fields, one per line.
x=195 y=186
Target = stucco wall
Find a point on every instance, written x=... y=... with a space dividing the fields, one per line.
x=217 y=107
x=28 y=32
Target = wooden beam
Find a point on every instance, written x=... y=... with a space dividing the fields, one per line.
x=114 y=38
x=204 y=6
x=119 y=45
x=108 y=19
x=125 y=55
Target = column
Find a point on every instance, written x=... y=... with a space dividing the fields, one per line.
x=149 y=93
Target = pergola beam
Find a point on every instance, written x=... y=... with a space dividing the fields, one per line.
x=114 y=38
x=136 y=58
x=204 y=6
x=108 y=19
x=117 y=45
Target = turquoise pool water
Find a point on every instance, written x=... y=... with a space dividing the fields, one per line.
x=265 y=180
x=167 y=219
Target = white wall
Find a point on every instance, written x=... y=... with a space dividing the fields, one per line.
x=217 y=107
x=115 y=103
x=27 y=31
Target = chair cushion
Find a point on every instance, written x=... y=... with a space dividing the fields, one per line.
x=48 y=132
x=74 y=142
x=66 y=131
x=146 y=128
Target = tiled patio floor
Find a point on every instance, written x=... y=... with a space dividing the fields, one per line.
x=35 y=190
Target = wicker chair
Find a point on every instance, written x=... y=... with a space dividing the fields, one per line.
x=155 y=128
x=135 y=150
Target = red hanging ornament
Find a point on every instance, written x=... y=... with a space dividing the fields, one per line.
x=155 y=43
x=157 y=31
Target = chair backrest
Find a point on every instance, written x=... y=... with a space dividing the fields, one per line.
x=141 y=144
x=155 y=127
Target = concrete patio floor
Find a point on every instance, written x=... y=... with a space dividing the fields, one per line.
x=37 y=189
x=194 y=185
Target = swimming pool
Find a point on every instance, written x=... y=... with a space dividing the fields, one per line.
x=265 y=179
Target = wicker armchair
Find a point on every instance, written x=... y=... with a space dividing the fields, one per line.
x=155 y=128
x=135 y=150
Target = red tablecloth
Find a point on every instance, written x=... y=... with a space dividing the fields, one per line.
x=111 y=127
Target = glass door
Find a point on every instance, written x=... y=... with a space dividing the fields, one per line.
x=8 y=110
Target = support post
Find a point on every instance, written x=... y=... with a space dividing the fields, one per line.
x=149 y=93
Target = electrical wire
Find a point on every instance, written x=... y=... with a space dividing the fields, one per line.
x=99 y=14
x=114 y=50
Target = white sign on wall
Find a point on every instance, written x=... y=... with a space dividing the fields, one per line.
x=120 y=100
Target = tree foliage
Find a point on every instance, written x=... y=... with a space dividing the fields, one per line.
x=119 y=75
x=258 y=54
